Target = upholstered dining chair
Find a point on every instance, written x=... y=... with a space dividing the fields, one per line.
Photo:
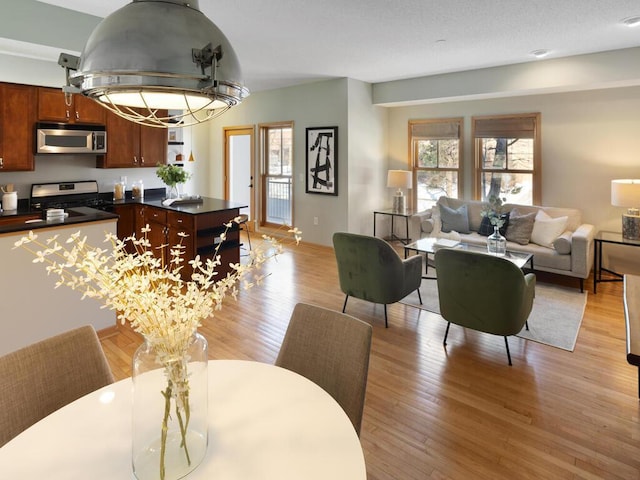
x=370 y=269
x=41 y=378
x=332 y=350
x=483 y=292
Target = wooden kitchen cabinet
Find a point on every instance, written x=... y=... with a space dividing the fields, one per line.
x=17 y=118
x=132 y=145
x=203 y=233
x=130 y=221
x=55 y=106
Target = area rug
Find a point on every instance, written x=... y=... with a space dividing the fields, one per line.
x=555 y=318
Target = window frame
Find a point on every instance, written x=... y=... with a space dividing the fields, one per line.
x=506 y=129
x=264 y=130
x=413 y=152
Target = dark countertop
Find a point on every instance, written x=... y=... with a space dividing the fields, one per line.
x=208 y=205
x=10 y=221
x=77 y=215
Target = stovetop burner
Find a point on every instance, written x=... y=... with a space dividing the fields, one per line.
x=66 y=195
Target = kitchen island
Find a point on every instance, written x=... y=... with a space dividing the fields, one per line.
x=203 y=222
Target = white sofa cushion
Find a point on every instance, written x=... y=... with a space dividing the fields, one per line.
x=547 y=229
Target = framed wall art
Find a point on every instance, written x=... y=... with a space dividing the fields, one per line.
x=322 y=160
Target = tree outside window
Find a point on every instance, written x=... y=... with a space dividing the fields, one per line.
x=507 y=155
x=436 y=152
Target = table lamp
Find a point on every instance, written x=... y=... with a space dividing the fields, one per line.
x=399 y=179
x=626 y=193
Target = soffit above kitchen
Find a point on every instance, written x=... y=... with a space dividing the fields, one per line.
x=286 y=42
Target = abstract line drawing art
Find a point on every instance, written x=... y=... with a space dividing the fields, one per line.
x=322 y=160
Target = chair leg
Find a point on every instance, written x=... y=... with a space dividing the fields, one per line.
x=344 y=306
x=526 y=325
x=419 y=296
x=506 y=342
x=246 y=229
x=446 y=334
x=386 y=323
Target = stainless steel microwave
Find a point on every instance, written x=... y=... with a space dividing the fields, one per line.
x=70 y=138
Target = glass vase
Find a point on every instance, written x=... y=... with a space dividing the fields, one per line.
x=170 y=397
x=173 y=191
x=496 y=243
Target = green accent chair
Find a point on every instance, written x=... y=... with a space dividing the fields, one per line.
x=370 y=269
x=483 y=292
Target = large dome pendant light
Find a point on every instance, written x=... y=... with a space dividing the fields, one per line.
x=154 y=56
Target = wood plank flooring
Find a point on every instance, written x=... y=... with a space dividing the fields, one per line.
x=458 y=412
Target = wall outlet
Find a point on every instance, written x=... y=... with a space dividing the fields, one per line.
x=315 y=220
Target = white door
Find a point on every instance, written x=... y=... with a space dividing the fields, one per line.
x=239 y=168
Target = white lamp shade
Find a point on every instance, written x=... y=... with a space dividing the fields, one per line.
x=625 y=193
x=399 y=179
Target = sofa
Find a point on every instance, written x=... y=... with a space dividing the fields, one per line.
x=557 y=238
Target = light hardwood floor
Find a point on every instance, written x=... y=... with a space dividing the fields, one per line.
x=458 y=412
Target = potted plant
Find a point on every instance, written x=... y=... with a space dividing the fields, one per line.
x=172 y=176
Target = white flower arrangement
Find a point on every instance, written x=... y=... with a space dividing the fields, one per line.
x=151 y=295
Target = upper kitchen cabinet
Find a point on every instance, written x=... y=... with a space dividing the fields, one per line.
x=55 y=106
x=132 y=145
x=17 y=117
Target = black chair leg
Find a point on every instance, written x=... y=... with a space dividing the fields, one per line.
x=419 y=296
x=506 y=342
x=446 y=334
x=344 y=307
x=386 y=323
x=526 y=325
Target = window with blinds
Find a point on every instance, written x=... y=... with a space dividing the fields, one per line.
x=507 y=157
x=436 y=152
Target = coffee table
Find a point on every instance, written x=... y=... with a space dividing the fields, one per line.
x=430 y=245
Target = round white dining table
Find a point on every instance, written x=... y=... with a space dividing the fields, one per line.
x=265 y=422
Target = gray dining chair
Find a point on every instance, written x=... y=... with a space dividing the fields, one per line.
x=332 y=350
x=41 y=378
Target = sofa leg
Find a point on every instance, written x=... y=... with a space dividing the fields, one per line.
x=446 y=334
x=419 y=296
x=386 y=323
x=581 y=285
x=344 y=306
x=506 y=342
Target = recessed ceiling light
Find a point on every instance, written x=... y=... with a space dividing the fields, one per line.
x=631 y=21
x=541 y=53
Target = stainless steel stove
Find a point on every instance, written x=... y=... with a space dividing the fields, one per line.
x=67 y=195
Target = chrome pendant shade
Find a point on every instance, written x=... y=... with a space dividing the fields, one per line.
x=156 y=55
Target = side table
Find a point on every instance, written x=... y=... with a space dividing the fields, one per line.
x=598 y=241
x=405 y=214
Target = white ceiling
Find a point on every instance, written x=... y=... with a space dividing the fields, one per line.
x=285 y=42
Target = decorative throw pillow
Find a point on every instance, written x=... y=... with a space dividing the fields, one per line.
x=546 y=229
x=457 y=220
x=520 y=227
x=562 y=244
x=486 y=228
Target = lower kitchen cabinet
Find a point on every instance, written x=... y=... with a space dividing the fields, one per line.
x=204 y=231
